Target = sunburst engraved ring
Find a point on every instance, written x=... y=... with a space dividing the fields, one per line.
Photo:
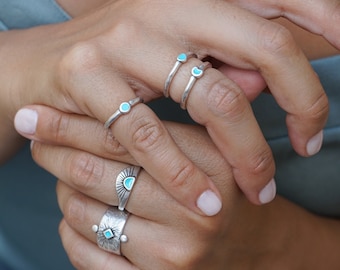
x=124 y=183
x=110 y=230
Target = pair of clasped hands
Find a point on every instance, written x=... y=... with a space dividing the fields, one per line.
x=187 y=206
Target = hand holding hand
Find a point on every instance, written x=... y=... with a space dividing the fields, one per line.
x=90 y=67
x=176 y=238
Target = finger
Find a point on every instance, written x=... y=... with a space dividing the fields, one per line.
x=139 y=131
x=284 y=67
x=96 y=177
x=319 y=17
x=81 y=213
x=272 y=51
x=274 y=54
x=85 y=254
x=50 y=126
x=228 y=117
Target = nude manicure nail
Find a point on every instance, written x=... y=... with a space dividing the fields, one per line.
x=268 y=193
x=209 y=203
x=25 y=121
x=314 y=144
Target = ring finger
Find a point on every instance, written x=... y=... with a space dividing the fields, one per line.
x=97 y=177
x=82 y=212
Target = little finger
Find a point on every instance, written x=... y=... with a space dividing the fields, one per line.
x=85 y=255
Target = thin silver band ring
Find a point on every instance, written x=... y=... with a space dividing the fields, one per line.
x=181 y=58
x=124 y=108
x=196 y=73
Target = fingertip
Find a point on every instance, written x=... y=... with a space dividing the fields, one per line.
x=268 y=193
x=209 y=203
x=314 y=144
x=25 y=121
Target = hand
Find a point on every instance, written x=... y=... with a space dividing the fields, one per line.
x=307 y=14
x=89 y=67
x=176 y=238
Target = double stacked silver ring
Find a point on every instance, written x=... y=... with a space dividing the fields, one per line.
x=181 y=58
x=124 y=108
x=110 y=230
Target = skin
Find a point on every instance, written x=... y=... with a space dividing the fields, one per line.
x=76 y=71
x=279 y=235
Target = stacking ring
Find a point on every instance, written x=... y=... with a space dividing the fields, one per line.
x=181 y=58
x=110 y=230
x=124 y=108
x=196 y=73
x=124 y=184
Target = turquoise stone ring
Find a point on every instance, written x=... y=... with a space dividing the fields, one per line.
x=181 y=59
x=196 y=73
x=124 y=184
x=124 y=108
x=110 y=230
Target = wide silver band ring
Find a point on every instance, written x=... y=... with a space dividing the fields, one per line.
x=181 y=58
x=124 y=108
x=110 y=230
x=124 y=183
x=196 y=73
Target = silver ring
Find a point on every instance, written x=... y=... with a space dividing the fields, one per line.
x=196 y=73
x=181 y=58
x=110 y=230
x=124 y=184
x=124 y=108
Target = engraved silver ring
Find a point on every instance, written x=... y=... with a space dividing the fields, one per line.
x=124 y=183
x=110 y=230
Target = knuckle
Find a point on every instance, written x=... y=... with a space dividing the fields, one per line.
x=147 y=134
x=59 y=126
x=277 y=40
x=319 y=109
x=226 y=100
x=75 y=209
x=86 y=171
x=125 y=32
x=80 y=60
x=111 y=147
x=261 y=163
x=181 y=172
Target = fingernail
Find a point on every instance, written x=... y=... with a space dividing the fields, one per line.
x=315 y=143
x=268 y=193
x=31 y=145
x=25 y=121
x=209 y=203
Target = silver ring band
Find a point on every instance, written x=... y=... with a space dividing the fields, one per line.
x=110 y=230
x=124 y=108
x=181 y=58
x=124 y=184
x=196 y=73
